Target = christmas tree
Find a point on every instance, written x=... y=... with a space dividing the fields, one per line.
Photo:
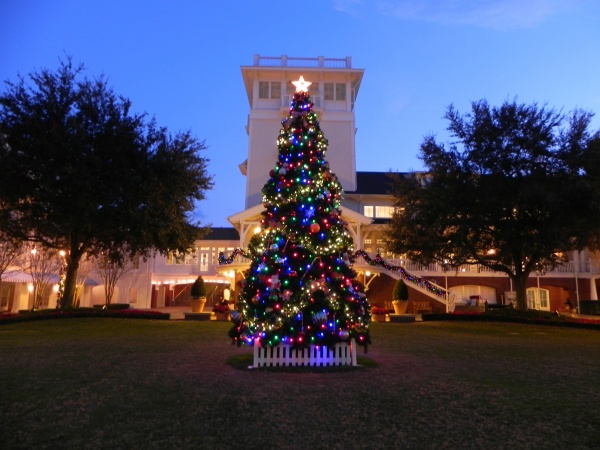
x=300 y=288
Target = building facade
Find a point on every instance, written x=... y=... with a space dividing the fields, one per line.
x=367 y=205
x=163 y=281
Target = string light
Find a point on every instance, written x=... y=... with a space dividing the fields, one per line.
x=300 y=288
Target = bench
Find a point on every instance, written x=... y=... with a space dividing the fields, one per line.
x=422 y=307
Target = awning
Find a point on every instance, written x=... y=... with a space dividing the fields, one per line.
x=18 y=276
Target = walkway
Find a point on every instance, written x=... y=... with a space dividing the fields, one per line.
x=175 y=311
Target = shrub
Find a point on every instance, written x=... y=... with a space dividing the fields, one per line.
x=198 y=288
x=400 y=291
x=376 y=310
x=113 y=306
x=590 y=307
x=45 y=314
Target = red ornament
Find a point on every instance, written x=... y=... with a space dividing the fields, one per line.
x=315 y=227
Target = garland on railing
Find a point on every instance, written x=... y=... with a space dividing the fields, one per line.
x=379 y=261
x=237 y=251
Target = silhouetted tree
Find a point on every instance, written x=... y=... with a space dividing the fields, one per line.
x=83 y=174
x=517 y=187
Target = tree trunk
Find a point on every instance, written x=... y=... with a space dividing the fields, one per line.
x=520 y=285
x=70 y=282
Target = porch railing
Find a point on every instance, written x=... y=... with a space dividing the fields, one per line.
x=570 y=267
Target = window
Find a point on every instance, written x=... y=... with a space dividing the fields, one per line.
x=204 y=256
x=275 y=89
x=269 y=89
x=382 y=212
x=215 y=255
x=263 y=89
x=177 y=258
x=6 y=294
x=335 y=91
x=191 y=257
x=368 y=241
x=340 y=92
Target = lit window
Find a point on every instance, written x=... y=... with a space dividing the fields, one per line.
x=204 y=261
x=175 y=257
x=384 y=212
x=191 y=257
x=6 y=293
x=368 y=241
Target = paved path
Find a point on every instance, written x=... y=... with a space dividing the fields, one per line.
x=175 y=311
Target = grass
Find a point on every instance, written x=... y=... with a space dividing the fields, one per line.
x=92 y=383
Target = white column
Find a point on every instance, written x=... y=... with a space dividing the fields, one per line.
x=593 y=291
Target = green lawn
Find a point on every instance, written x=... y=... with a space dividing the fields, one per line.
x=137 y=384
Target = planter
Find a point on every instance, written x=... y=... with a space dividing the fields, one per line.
x=198 y=304
x=222 y=316
x=400 y=307
x=378 y=317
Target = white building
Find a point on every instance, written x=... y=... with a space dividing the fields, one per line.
x=367 y=206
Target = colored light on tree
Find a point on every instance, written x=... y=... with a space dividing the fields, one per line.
x=301 y=288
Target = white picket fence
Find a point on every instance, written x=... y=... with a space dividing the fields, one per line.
x=343 y=354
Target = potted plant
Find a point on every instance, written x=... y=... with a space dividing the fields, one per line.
x=221 y=311
x=198 y=295
x=378 y=314
x=400 y=297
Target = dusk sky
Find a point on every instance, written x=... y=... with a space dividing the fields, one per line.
x=179 y=61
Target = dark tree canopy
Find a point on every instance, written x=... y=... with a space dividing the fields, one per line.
x=84 y=174
x=517 y=187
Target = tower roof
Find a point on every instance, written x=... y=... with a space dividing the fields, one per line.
x=296 y=66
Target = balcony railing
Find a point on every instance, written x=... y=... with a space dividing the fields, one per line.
x=570 y=268
x=586 y=267
x=319 y=62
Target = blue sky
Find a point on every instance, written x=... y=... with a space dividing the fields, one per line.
x=180 y=61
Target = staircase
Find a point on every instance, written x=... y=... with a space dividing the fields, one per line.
x=427 y=287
